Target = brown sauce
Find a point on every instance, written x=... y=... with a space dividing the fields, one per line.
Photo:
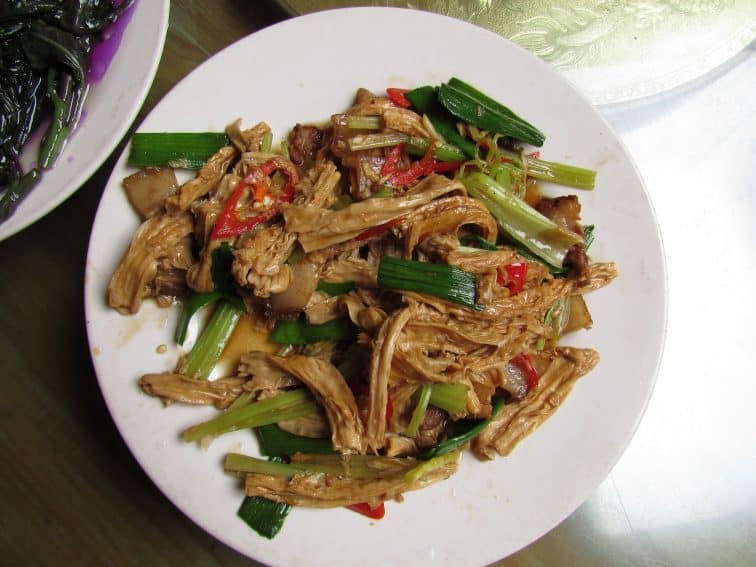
x=251 y=333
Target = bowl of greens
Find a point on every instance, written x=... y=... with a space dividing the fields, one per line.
x=73 y=76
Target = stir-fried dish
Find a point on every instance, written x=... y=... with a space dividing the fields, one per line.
x=411 y=278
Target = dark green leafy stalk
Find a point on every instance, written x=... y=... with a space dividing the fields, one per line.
x=300 y=333
x=58 y=132
x=16 y=192
x=466 y=430
x=441 y=280
x=13 y=10
x=47 y=46
x=425 y=101
x=275 y=442
x=187 y=150
x=335 y=288
x=470 y=105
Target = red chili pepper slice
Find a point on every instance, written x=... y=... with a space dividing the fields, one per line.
x=524 y=361
x=229 y=224
x=444 y=166
x=517 y=273
x=406 y=176
x=535 y=155
x=389 y=409
x=415 y=170
x=397 y=97
x=392 y=160
x=429 y=160
x=376 y=230
x=363 y=508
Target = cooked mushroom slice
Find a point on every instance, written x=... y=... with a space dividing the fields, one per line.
x=148 y=188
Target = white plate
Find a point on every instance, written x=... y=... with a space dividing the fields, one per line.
x=303 y=70
x=110 y=108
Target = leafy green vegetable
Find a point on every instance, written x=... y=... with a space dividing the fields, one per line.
x=45 y=47
x=449 y=397
x=425 y=101
x=441 y=280
x=262 y=515
x=288 y=405
x=300 y=333
x=187 y=150
x=561 y=173
x=470 y=105
x=520 y=221
x=443 y=152
x=275 y=442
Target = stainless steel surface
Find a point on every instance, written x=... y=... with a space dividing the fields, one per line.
x=684 y=493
